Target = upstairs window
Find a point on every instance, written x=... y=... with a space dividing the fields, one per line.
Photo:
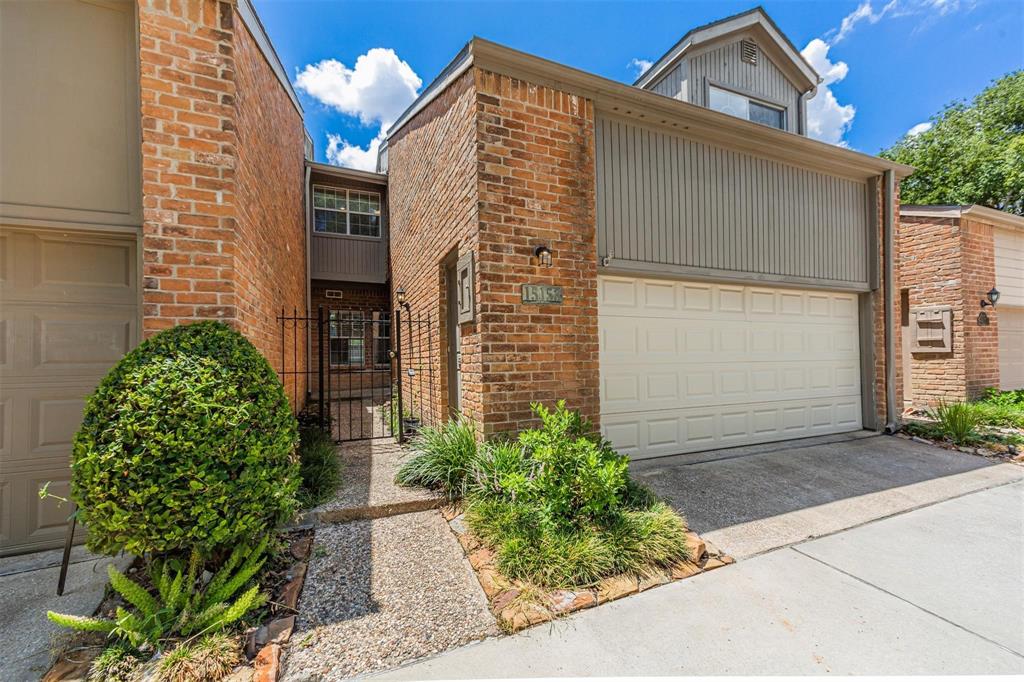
x=347 y=212
x=742 y=106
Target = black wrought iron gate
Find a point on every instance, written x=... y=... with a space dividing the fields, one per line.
x=361 y=374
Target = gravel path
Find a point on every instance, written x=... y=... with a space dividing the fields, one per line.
x=383 y=592
x=368 y=484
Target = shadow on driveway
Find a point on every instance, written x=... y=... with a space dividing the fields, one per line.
x=751 y=500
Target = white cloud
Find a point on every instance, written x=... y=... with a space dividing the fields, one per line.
x=919 y=128
x=640 y=65
x=340 y=153
x=376 y=91
x=827 y=119
x=864 y=12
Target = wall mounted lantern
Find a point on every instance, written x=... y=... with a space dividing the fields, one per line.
x=993 y=297
x=543 y=255
x=400 y=297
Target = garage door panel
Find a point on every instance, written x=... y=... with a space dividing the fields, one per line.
x=668 y=432
x=62 y=340
x=1011 y=347
x=69 y=313
x=676 y=385
x=691 y=366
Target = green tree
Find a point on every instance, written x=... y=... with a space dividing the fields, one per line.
x=972 y=154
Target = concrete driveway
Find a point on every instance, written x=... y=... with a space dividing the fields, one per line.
x=920 y=571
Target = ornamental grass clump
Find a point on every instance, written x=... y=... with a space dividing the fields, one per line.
x=189 y=443
x=444 y=458
x=957 y=421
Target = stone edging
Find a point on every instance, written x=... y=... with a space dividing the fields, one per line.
x=517 y=605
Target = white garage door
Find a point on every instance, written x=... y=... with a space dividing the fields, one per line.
x=69 y=311
x=688 y=366
x=1011 y=348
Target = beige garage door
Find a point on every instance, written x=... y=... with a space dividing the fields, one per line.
x=1011 y=348
x=689 y=366
x=69 y=312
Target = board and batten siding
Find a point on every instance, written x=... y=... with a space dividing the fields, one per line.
x=674 y=84
x=673 y=206
x=723 y=66
x=350 y=259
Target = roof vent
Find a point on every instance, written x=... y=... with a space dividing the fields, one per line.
x=748 y=52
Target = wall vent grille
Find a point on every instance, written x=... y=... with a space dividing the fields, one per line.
x=334 y=293
x=748 y=52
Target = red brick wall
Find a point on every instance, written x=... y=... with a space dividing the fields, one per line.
x=222 y=175
x=432 y=186
x=188 y=161
x=270 y=241
x=930 y=269
x=977 y=246
x=949 y=261
x=366 y=298
x=536 y=187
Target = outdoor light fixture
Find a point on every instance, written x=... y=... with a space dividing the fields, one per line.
x=543 y=255
x=400 y=297
x=993 y=296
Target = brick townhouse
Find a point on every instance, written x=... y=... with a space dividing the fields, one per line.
x=676 y=258
x=152 y=174
x=956 y=343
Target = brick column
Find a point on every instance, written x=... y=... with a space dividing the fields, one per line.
x=187 y=83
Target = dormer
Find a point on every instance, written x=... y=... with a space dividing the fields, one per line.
x=742 y=65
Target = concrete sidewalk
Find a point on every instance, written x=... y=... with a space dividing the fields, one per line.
x=937 y=590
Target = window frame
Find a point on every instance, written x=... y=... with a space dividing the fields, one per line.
x=751 y=98
x=347 y=211
x=356 y=318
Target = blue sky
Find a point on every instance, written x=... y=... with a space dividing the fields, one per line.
x=357 y=64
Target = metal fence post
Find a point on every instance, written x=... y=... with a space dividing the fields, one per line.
x=320 y=365
x=398 y=373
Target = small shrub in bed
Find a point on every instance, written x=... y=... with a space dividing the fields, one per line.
x=444 y=458
x=320 y=468
x=556 y=505
x=188 y=443
x=957 y=421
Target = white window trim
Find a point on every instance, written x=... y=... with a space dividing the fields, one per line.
x=712 y=85
x=348 y=212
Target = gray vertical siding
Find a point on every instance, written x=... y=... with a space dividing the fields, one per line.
x=348 y=258
x=674 y=84
x=724 y=66
x=667 y=202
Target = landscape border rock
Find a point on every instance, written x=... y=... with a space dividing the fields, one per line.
x=518 y=605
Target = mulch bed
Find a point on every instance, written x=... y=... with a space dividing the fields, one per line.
x=282 y=577
x=518 y=605
x=993 y=450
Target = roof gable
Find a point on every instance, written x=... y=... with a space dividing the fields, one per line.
x=754 y=23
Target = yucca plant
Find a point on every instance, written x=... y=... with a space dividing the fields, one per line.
x=180 y=607
x=444 y=458
x=958 y=421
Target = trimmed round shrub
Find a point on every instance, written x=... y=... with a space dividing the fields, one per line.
x=188 y=443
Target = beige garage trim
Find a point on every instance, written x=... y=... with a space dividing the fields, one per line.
x=70 y=311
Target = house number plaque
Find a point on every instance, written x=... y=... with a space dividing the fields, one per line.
x=541 y=294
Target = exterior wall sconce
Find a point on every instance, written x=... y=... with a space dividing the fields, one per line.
x=543 y=255
x=992 y=296
x=400 y=297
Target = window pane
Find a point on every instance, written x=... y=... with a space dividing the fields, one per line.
x=326 y=220
x=355 y=351
x=728 y=103
x=364 y=225
x=382 y=340
x=769 y=116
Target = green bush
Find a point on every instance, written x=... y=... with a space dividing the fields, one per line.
x=994 y=396
x=444 y=458
x=180 y=605
x=575 y=476
x=319 y=466
x=189 y=442
x=957 y=421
